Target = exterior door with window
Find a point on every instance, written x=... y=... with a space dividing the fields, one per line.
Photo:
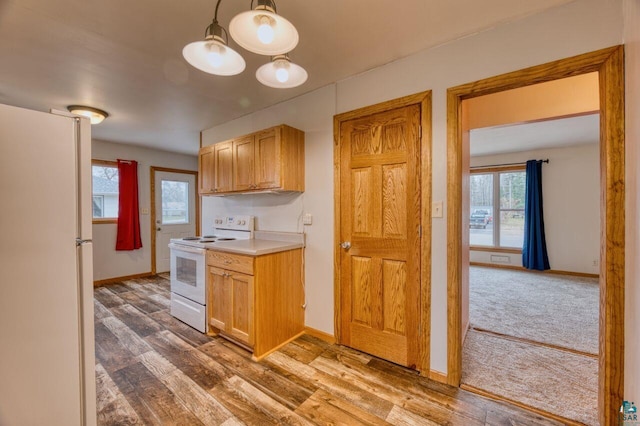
x=175 y=212
x=380 y=230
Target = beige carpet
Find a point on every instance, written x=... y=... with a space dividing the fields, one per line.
x=554 y=309
x=554 y=380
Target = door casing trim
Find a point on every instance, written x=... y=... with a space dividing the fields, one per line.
x=423 y=99
x=609 y=63
x=152 y=192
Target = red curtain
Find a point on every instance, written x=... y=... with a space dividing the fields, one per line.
x=128 y=218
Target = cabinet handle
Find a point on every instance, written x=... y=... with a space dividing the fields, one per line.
x=227 y=262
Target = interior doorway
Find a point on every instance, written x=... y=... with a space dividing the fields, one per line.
x=525 y=327
x=175 y=211
x=609 y=64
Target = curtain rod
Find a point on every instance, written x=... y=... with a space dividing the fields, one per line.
x=507 y=164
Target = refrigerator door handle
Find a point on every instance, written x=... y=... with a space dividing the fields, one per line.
x=80 y=241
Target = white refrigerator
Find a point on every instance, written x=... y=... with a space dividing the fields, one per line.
x=47 y=361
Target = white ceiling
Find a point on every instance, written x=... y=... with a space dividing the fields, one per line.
x=124 y=56
x=555 y=133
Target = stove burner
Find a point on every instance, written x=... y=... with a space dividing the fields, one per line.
x=225 y=239
x=208 y=237
x=191 y=238
x=205 y=240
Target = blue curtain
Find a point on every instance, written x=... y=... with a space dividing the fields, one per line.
x=534 y=249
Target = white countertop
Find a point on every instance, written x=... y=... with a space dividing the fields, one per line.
x=263 y=243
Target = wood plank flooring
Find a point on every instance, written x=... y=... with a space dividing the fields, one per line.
x=152 y=369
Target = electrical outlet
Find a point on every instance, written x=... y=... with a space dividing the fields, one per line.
x=144 y=210
x=500 y=259
x=596 y=262
x=307 y=219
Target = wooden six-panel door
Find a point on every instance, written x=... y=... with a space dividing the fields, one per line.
x=380 y=220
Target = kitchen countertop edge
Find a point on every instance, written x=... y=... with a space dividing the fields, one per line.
x=254 y=247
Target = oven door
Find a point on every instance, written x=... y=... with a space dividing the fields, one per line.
x=188 y=272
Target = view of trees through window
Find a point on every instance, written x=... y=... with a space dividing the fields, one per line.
x=175 y=202
x=105 y=191
x=497 y=208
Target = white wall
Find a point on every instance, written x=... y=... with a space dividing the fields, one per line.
x=571 y=202
x=107 y=262
x=632 y=288
x=578 y=27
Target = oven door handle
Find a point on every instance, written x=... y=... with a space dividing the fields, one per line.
x=179 y=247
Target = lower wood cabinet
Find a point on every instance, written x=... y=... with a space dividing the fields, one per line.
x=231 y=298
x=256 y=302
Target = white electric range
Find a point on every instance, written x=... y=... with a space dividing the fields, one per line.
x=188 y=268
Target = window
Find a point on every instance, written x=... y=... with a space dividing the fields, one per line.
x=175 y=202
x=104 y=178
x=497 y=207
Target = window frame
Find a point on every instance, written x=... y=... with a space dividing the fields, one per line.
x=99 y=220
x=496 y=171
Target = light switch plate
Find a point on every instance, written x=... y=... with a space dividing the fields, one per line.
x=144 y=210
x=436 y=209
x=307 y=219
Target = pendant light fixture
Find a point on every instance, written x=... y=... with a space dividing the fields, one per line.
x=281 y=73
x=95 y=115
x=213 y=55
x=261 y=30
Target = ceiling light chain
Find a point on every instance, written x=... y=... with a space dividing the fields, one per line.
x=260 y=30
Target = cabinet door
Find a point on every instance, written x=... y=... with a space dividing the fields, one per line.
x=219 y=298
x=240 y=324
x=243 y=164
x=268 y=159
x=207 y=171
x=223 y=167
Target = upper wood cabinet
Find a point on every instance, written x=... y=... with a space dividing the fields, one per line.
x=205 y=163
x=271 y=159
x=243 y=164
x=223 y=167
x=215 y=164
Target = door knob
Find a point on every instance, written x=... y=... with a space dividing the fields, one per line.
x=345 y=245
x=158 y=229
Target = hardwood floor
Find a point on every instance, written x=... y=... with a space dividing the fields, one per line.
x=152 y=369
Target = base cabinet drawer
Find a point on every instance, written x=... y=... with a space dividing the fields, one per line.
x=230 y=261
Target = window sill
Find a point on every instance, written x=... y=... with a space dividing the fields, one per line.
x=104 y=221
x=496 y=249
